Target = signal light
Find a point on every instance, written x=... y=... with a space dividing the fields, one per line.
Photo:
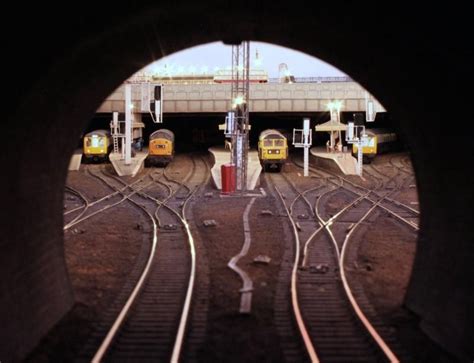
x=157 y=93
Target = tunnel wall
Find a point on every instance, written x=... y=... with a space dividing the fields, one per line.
x=60 y=67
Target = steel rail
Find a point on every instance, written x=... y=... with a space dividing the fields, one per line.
x=70 y=224
x=294 y=296
x=80 y=195
x=326 y=224
x=177 y=347
x=410 y=223
x=340 y=257
x=123 y=313
x=316 y=171
x=108 y=196
x=341 y=254
x=396 y=215
x=381 y=343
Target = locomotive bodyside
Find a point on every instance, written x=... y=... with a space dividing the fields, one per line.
x=377 y=141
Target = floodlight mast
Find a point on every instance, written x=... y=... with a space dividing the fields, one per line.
x=240 y=112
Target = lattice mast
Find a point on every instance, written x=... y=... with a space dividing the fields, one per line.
x=240 y=107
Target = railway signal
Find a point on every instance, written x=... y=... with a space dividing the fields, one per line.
x=153 y=106
x=355 y=134
x=158 y=93
x=303 y=138
x=372 y=107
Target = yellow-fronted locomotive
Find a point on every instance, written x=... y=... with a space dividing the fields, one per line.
x=377 y=141
x=161 y=147
x=97 y=145
x=272 y=149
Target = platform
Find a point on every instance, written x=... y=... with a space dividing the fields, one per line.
x=136 y=165
x=222 y=156
x=75 y=161
x=343 y=161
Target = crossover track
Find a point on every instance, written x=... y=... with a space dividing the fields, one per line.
x=331 y=323
x=150 y=322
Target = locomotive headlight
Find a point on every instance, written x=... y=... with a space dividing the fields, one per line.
x=277 y=151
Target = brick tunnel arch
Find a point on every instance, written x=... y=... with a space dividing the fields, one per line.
x=50 y=108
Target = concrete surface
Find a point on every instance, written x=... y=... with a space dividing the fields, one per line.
x=342 y=160
x=137 y=163
x=222 y=156
x=75 y=162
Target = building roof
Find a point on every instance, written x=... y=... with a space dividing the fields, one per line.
x=271 y=133
x=331 y=126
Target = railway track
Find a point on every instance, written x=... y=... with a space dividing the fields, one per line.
x=397 y=209
x=90 y=209
x=288 y=328
x=148 y=321
x=332 y=329
x=74 y=196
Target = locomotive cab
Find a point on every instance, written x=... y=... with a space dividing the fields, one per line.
x=96 y=145
x=272 y=149
x=161 y=147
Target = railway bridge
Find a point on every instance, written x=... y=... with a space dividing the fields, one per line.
x=264 y=97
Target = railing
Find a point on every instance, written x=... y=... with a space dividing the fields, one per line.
x=211 y=80
x=315 y=79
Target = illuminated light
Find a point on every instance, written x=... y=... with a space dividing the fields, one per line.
x=131 y=105
x=335 y=105
x=239 y=100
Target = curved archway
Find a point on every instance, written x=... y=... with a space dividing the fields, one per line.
x=48 y=110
